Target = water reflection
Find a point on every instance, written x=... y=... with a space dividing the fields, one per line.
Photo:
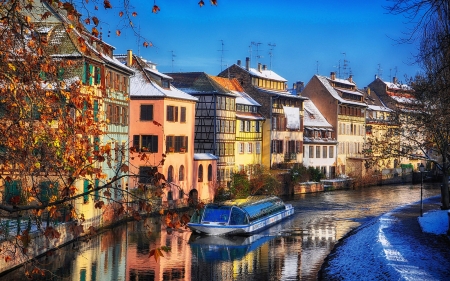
x=291 y=250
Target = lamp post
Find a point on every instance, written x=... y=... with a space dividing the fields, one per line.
x=421 y=169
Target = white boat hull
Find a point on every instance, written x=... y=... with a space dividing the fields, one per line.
x=257 y=225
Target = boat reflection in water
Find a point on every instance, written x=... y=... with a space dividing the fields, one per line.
x=225 y=248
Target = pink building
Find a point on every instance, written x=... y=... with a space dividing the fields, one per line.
x=162 y=121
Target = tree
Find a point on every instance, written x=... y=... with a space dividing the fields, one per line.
x=53 y=153
x=428 y=113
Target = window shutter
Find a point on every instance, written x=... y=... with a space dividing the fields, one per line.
x=154 y=144
x=136 y=142
x=86 y=189
x=84 y=74
x=96 y=110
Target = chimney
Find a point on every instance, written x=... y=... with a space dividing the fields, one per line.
x=333 y=75
x=368 y=91
x=264 y=67
x=300 y=85
x=394 y=80
x=129 y=58
x=247 y=63
x=350 y=78
x=239 y=62
x=259 y=67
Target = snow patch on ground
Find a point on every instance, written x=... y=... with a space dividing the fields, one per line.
x=435 y=222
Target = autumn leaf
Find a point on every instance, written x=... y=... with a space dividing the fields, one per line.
x=201 y=3
x=134 y=14
x=99 y=204
x=8 y=258
x=27 y=19
x=185 y=218
x=87 y=21
x=92 y=230
x=155 y=9
x=120 y=14
x=156 y=253
x=161 y=212
x=147 y=44
x=107 y=193
x=15 y=200
x=11 y=66
x=95 y=32
x=124 y=168
x=51 y=233
x=95 y=20
x=214 y=2
x=107 y=4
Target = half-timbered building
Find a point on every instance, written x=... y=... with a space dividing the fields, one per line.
x=215 y=119
x=283 y=129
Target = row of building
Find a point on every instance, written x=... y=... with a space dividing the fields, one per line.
x=200 y=128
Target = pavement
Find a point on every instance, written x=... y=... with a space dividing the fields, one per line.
x=391 y=247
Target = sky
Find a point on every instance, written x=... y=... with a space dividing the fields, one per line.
x=295 y=39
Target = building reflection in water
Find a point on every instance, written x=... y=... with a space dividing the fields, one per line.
x=280 y=252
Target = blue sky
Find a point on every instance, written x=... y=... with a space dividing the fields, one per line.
x=310 y=37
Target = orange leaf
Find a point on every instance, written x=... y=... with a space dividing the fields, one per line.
x=8 y=258
x=87 y=21
x=155 y=9
x=95 y=32
x=214 y=2
x=147 y=44
x=120 y=14
x=201 y=3
x=161 y=212
x=134 y=14
x=118 y=32
x=107 y=193
x=99 y=204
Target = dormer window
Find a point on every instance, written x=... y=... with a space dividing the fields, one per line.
x=165 y=84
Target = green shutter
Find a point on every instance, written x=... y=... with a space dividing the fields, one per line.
x=96 y=195
x=48 y=189
x=86 y=189
x=12 y=189
x=97 y=143
x=91 y=78
x=96 y=110
x=60 y=73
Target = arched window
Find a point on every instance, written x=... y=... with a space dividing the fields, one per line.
x=209 y=172
x=200 y=173
x=181 y=173
x=170 y=174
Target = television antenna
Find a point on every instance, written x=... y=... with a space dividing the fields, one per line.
x=221 y=55
x=272 y=46
x=173 y=59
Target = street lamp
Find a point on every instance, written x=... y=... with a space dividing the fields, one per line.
x=421 y=169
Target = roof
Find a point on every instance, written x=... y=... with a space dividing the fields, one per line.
x=205 y=156
x=326 y=82
x=142 y=86
x=199 y=83
x=264 y=73
x=312 y=116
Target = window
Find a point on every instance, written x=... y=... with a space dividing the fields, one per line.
x=146 y=143
x=247 y=126
x=181 y=173
x=258 y=148
x=241 y=147
x=172 y=113
x=86 y=189
x=277 y=146
x=170 y=174
x=183 y=115
x=144 y=174
x=324 y=152
x=200 y=173
x=311 y=151
x=318 y=151
x=165 y=84
x=241 y=128
x=210 y=172
x=96 y=110
x=250 y=148
x=146 y=112
x=258 y=128
x=176 y=143
x=12 y=190
x=124 y=115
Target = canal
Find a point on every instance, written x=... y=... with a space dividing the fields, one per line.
x=291 y=250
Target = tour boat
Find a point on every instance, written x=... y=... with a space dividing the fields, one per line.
x=240 y=216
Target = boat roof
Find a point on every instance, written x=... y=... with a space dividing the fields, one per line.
x=252 y=200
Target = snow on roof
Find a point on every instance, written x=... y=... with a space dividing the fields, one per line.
x=205 y=156
x=140 y=86
x=116 y=62
x=351 y=92
x=379 y=108
x=332 y=91
x=397 y=86
x=312 y=116
x=156 y=72
x=401 y=99
x=268 y=74
x=245 y=99
x=342 y=81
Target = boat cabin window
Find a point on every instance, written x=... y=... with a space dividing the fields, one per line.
x=216 y=213
x=238 y=217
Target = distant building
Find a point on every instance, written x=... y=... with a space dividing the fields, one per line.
x=283 y=128
x=343 y=106
x=319 y=140
x=215 y=119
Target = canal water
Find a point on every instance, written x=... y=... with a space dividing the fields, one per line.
x=291 y=250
